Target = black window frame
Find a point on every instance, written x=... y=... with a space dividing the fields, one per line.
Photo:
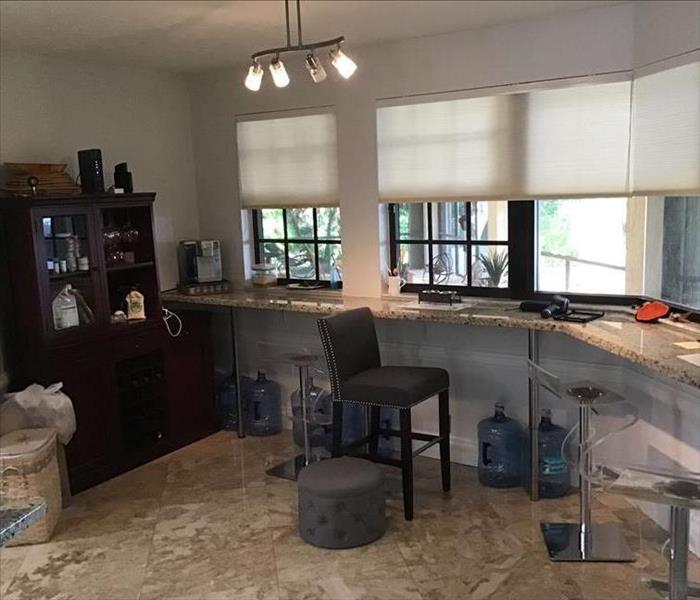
x=514 y=245
x=521 y=263
x=259 y=240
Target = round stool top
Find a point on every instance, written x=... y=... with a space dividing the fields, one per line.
x=586 y=392
x=302 y=359
x=340 y=477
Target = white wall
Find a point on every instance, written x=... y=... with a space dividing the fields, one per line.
x=666 y=28
x=50 y=109
x=578 y=43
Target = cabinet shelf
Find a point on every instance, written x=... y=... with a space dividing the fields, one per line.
x=130 y=266
x=69 y=275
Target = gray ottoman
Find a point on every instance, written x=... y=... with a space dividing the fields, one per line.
x=341 y=503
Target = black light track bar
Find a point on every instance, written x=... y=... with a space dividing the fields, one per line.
x=299 y=47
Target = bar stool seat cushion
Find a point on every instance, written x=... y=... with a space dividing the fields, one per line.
x=399 y=387
x=341 y=503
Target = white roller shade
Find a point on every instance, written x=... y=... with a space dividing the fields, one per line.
x=666 y=132
x=577 y=141
x=288 y=161
x=539 y=143
x=444 y=150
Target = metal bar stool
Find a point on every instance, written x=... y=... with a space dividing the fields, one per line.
x=584 y=541
x=357 y=376
x=680 y=490
x=303 y=361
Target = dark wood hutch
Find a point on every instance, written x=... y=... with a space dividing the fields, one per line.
x=138 y=392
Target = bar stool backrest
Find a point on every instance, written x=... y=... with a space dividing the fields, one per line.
x=544 y=378
x=350 y=344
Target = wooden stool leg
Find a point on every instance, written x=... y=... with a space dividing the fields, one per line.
x=374 y=416
x=444 y=417
x=407 y=463
x=336 y=449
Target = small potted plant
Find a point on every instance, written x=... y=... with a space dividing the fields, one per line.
x=495 y=263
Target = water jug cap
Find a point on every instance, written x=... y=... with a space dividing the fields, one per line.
x=261 y=375
x=499 y=412
x=546 y=413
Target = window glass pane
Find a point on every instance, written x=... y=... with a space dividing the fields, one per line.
x=273 y=254
x=490 y=266
x=450 y=264
x=272 y=223
x=674 y=273
x=300 y=223
x=489 y=221
x=413 y=262
x=449 y=220
x=328 y=223
x=302 y=261
x=412 y=221
x=582 y=246
x=328 y=256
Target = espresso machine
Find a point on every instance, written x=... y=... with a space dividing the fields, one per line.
x=199 y=264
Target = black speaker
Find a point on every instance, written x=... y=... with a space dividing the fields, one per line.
x=123 y=179
x=91 y=174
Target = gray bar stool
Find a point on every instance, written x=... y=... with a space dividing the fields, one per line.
x=584 y=541
x=357 y=376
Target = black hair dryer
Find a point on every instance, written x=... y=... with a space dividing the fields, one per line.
x=558 y=306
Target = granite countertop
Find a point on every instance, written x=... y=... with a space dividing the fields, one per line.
x=670 y=349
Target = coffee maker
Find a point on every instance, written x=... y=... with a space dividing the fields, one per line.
x=199 y=261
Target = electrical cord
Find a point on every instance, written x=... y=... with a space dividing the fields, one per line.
x=168 y=315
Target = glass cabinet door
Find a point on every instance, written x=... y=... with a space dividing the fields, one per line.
x=72 y=285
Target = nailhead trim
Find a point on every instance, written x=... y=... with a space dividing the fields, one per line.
x=335 y=378
x=330 y=358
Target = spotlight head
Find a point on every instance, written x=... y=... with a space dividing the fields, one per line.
x=279 y=73
x=342 y=62
x=315 y=68
x=254 y=77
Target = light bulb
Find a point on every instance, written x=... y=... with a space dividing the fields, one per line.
x=254 y=77
x=279 y=73
x=316 y=70
x=343 y=63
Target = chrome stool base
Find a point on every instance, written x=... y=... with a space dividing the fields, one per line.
x=603 y=542
x=288 y=469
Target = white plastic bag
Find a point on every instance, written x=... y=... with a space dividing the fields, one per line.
x=37 y=406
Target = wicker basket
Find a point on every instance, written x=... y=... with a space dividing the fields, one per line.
x=29 y=469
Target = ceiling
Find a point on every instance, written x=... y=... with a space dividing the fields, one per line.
x=188 y=35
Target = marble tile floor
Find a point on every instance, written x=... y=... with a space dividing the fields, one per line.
x=206 y=523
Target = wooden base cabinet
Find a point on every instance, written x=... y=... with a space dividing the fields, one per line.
x=138 y=392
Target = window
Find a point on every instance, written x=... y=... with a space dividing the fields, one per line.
x=610 y=250
x=625 y=247
x=452 y=244
x=303 y=244
x=582 y=246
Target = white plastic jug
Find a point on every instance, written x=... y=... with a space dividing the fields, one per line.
x=65 y=309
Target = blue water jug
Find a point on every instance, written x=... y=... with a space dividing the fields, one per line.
x=554 y=470
x=227 y=407
x=501 y=446
x=263 y=399
x=353 y=421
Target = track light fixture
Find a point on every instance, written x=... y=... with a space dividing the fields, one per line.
x=254 y=77
x=278 y=72
x=341 y=61
x=315 y=68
